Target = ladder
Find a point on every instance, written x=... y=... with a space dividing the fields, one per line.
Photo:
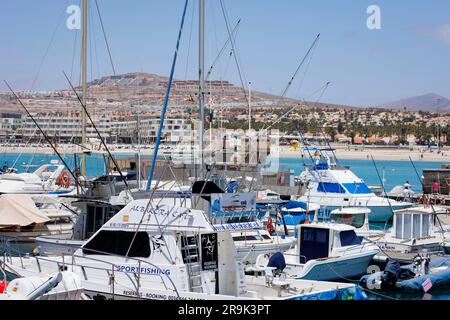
x=191 y=257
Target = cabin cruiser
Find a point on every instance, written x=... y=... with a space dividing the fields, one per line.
x=48 y=178
x=325 y=252
x=414 y=231
x=21 y=221
x=333 y=187
x=155 y=251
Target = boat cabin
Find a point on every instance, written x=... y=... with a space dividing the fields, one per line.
x=319 y=240
x=414 y=223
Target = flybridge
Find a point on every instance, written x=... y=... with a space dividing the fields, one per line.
x=154 y=215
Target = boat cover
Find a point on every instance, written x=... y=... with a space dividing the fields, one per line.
x=19 y=210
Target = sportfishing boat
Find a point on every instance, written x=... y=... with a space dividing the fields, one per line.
x=326 y=251
x=333 y=186
x=294 y=213
x=415 y=230
x=154 y=251
x=48 y=178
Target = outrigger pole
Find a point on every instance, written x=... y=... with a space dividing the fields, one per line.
x=43 y=133
x=166 y=101
x=96 y=130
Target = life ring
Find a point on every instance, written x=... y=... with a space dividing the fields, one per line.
x=270 y=225
x=64 y=179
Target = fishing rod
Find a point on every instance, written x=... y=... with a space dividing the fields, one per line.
x=428 y=200
x=98 y=133
x=43 y=133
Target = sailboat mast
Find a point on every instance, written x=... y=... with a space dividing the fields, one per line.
x=201 y=74
x=83 y=79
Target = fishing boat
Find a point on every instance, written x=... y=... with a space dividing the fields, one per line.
x=325 y=252
x=333 y=186
x=48 y=178
x=154 y=251
x=414 y=231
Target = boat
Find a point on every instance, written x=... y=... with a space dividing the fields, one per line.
x=21 y=222
x=325 y=252
x=423 y=274
x=333 y=186
x=294 y=213
x=155 y=251
x=48 y=178
x=61 y=286
x=414 y=231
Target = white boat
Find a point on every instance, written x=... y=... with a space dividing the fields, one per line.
x=333 y=187
x=357 y=217
x=21 y=222
x=62 y=286
x=151 y=251
x=294 y=213
x=327 y=251
x=48 y=178
x=414 y=231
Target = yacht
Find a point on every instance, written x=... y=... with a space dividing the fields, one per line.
x=333 y=186
x=48 y=178
x=326 y=252
x=155 y=251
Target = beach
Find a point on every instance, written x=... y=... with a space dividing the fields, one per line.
x=342 y=152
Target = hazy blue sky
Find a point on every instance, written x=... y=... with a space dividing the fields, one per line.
x=409 y=56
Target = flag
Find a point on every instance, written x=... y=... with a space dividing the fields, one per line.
x=427 y=284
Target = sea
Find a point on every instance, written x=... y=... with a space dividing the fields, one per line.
x=389 y=172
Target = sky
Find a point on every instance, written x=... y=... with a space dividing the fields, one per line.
x=408 y=56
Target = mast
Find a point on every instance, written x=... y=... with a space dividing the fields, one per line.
x=83 y=79
x=249 y=110
x=201 y=75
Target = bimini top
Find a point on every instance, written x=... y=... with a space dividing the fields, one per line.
x=19 y=210
x=157 y=216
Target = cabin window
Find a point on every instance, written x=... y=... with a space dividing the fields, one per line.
x=330 y=187
x=118 y=242
x=425 y=225
x=416 y=226
x=398 y=226
x=357 y=188
x=321 y=235
x=308 y=234
x=244 y=238
x=265 y=236
x=407 y=226
x=349 y=238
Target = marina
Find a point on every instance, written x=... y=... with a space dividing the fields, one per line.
x=144 y=187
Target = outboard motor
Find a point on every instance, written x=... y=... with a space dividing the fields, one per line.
x=390 y=274
x=277 y=261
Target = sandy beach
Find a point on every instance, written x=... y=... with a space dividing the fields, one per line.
x=344 y=152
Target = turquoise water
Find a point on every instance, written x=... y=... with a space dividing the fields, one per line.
x=395 y=173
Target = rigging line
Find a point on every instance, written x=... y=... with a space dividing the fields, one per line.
x=189 y=42
x=166 y=102
x=43 y=133
x=47 y=49
x=306 y=70
x=234 y=55
x=105 y=38
x=98 y=133
x=384 y=190
x=94 y=37
x=233 y=33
